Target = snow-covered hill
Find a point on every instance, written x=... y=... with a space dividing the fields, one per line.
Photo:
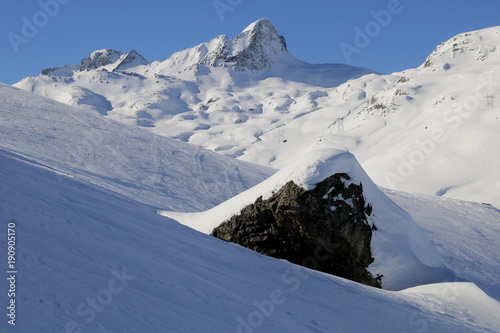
x=432 y=129
x=90 y=260
x=147 y=168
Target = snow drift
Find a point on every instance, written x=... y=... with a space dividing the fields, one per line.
x=403 y=255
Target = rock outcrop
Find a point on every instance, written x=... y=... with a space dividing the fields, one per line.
x=325 y=228
x=253 y=50
x=100 y=58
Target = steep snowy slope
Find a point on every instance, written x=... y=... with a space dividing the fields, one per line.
x=464 y=233
x=153 y=170
x=90 y=260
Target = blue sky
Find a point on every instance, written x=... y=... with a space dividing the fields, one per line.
x=316 y=31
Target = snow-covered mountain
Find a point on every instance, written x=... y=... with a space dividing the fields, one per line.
x=432 y=129
x=258 y=47
x=150 y=93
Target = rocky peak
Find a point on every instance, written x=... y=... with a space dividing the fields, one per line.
x=256 y=47
x=325 y=228
x=263 y=34
x=253 y=50
x=464 y=50
x=100 y=58
x=130 y=59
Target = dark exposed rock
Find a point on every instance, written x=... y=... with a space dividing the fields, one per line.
x=49 y=71
x=263 y=42
x=325 y=228
x=133 y=58
x=100 y=58
x=252 y=50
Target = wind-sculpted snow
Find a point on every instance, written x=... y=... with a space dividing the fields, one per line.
x=154 y=170
x=403 y=255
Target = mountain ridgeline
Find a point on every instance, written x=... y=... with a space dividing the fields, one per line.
x=241 y=96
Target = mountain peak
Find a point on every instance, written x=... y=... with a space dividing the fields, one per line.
x=105 y=57
x=254 y=49
x=261 y=24
x=264 y=33
x=465 y=50
x=130 y=59
x=100 y=58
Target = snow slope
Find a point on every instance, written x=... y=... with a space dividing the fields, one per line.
x=150 y=169
x=464 y=233
x=90 y=260
x=429 y=129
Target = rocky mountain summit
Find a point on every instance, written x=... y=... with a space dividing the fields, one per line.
x=325 y=228
x=112 y=60
x=254 y=49
x=105 y=59
x=100 y=58
x=470 y=48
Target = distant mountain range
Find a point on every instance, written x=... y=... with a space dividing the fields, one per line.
x=433 y=129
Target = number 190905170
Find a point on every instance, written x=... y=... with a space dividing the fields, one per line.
x=12 y=272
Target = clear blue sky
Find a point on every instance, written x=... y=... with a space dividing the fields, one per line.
x=314 y=30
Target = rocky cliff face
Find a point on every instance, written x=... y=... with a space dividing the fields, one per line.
x=100 y=58
x=253 y=50
x=325 y=228
x=465 y=50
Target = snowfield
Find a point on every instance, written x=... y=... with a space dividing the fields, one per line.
x=150 y=169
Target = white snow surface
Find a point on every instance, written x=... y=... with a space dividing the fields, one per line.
x=74 y=238
x=154 y=170
x=464 y=233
